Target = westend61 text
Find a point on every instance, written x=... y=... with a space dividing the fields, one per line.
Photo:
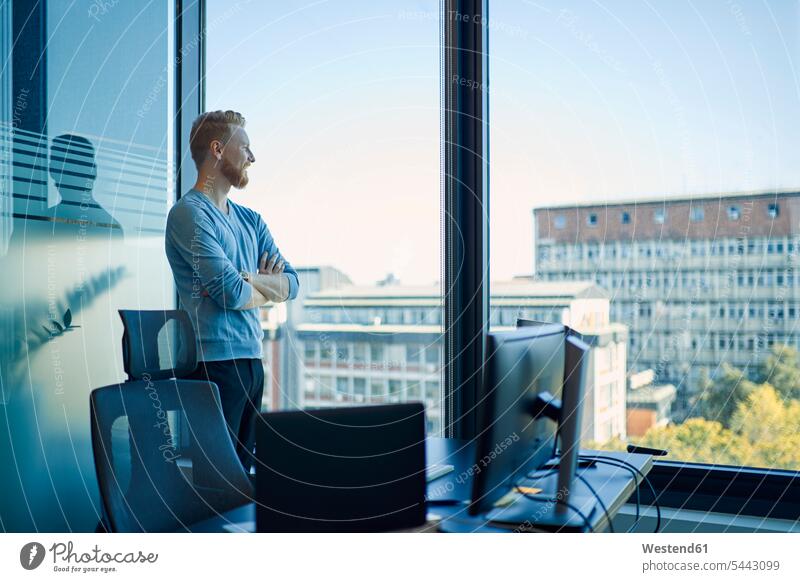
x=672 y=549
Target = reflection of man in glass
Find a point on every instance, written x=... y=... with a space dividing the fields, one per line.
x=226 y=264
x=73 y=169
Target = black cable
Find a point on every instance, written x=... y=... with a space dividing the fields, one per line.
x=621 y=463
x=555 y=444
x=600 y=501
x=580 y=514
x=614 y=462
x=638 y=497
x=534 y=475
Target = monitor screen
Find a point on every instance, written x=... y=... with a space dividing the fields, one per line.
x=510 y=443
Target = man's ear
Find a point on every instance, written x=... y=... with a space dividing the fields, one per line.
x=216 y=149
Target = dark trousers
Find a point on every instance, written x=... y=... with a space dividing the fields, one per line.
x=241 y=386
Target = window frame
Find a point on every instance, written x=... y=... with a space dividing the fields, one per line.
x=465 y=210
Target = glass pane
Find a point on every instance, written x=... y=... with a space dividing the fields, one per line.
x=84 y=191
x=643 y=171
x=342 y=107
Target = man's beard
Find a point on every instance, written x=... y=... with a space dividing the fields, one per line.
x=236 y=176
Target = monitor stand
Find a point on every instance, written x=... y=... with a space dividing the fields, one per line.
x=529 y=514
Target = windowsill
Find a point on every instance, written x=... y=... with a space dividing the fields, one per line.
x=693 y=521
x=741 y=491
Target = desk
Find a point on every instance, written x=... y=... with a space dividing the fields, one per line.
x=614 y=486
x=448 y=495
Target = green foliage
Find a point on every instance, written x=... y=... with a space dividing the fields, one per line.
x=745 y=421
x=781 y=369
x=719 y=398
x=772 y=425
x=764 y=431
x=699 y=440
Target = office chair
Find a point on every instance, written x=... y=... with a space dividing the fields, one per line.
x=162 y=452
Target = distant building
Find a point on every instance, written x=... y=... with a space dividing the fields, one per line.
x=699 y=281
x=649 y=404
x=346 y=345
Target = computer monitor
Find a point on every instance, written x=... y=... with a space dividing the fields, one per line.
x=521 y=365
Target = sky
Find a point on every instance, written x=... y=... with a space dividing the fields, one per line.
x=589 y=101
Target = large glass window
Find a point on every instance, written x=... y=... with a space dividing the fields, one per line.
x=343 y=112
x=679 y=118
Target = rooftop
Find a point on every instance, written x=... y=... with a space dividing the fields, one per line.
x=668 y=199
x=523 y=289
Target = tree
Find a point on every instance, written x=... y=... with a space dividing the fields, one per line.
x=781 y=369
x=699 y=440
x=746 y=421
x=764 y=431
x=719 y=398
x=770 y=424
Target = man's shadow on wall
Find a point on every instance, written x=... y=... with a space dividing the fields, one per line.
x=27 y=327
x=73 y=168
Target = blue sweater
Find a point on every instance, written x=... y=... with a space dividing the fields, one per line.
x=207 y=250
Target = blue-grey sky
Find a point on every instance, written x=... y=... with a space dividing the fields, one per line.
x=589 y=101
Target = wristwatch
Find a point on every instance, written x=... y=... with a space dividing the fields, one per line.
x=245 y=275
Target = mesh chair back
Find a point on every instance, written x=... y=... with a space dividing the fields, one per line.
x=148 y=481
x=158 y=344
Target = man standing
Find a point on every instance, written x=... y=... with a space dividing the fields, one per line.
x=226 y=264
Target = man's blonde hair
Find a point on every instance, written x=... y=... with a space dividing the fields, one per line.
x=209 y=126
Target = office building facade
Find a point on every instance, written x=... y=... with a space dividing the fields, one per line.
x=699 y=281
x=359 y=345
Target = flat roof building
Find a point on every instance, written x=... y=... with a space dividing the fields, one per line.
x=699 y=280
x=370 y=344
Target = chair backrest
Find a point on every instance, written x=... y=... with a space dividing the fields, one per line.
x=147 y=481
x=158 y=344
x=348 y=469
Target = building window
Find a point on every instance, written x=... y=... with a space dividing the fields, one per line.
x=560 y=221
x=591 y=219
x=310 y=351
x=432 y=355
x=359 y=389
x=734 y=213
x=413 y=353
x=378 y=390
x=625 y=218
x=395 y=390
x=697 y=214
x=432 y=390
x=359 y=353
x=659 y=215
x=773 y=210
x=544 y=253
x=376 y=353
